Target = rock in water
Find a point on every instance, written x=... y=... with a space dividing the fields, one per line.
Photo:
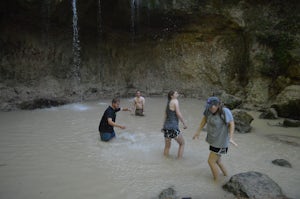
x=168 y=193
x=254 y=185
x=282 y=163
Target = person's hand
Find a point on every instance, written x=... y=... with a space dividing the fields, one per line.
x=126 y=109
x=122 y=127
x=184 y=126
x=196 y=136
x=233 y=142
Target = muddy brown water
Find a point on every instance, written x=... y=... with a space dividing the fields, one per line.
x=56 y=153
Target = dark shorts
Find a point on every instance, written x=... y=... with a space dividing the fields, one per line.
x=172 y=133
x=219 y=151
x=139 y=112
x=106 y=136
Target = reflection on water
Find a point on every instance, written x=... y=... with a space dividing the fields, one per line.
x=56 y=153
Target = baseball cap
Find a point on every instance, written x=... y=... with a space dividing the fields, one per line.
x=212 y=101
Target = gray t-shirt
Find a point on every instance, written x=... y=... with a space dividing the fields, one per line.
x=217 y=128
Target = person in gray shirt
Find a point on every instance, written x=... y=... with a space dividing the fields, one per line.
x=220 y=129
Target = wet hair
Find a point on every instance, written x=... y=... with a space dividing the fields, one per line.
x=115 y=100
x=170 y=94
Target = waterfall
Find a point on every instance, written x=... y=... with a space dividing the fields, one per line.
x=132 y=27
x=99 y=39
x=75 y=72
x=135 y=15
x=46 y=22
x=76 y=47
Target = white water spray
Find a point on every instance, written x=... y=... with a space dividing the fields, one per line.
x=76 y=46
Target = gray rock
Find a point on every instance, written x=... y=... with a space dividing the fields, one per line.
x=253 y=185
x=270 y=113
x=168 y=193
x=291 y=123
x=230 y=101
x=242 y=121
x=41 y=103
x=289 y=109
x=282 y=163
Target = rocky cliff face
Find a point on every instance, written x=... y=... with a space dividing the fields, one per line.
x=244 y=48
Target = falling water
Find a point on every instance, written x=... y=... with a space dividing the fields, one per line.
x=99 y=39
x=46 y=21
x=135 y=14
x=132 y=27
x=76 y=47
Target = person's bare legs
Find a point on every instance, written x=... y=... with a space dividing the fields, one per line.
x=212 y=162
x=167 y=146
x=180 y=141
x=222 y=167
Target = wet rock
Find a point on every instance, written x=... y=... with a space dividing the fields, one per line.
x=242 y=121
x=288 y=102
x=254 y=185
x=282 y=163
x=168 y=193
x=291 y=123
x=289 y=109
x=41 y=103
x=290 y=93
x=270 y=113
x=285 y=139
x=231 y=101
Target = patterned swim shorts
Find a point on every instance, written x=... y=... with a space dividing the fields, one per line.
x=219 y=151
x=170 y=133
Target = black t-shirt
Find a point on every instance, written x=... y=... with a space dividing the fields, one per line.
x=109 y=113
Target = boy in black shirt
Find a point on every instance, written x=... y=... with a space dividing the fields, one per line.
x=108 y=120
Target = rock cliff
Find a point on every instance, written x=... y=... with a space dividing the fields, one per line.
x=244 y=48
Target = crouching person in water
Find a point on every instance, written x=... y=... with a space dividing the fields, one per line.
x=108 y=120
x=220 y=129
x=170 y=128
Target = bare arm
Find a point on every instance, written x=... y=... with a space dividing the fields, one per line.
x=112 y=123
x=201 y=126
x=143 y=103
x=134 y=104
x=178 y=113
x=126 y=109
x=231 y=131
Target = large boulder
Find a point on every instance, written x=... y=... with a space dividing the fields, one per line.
x=41 y=103
x=290 y=93
x=270 y=113
x=231 y=101
x=291 y=123
x=254 y=185
x=288 y=109
x=242 y=121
